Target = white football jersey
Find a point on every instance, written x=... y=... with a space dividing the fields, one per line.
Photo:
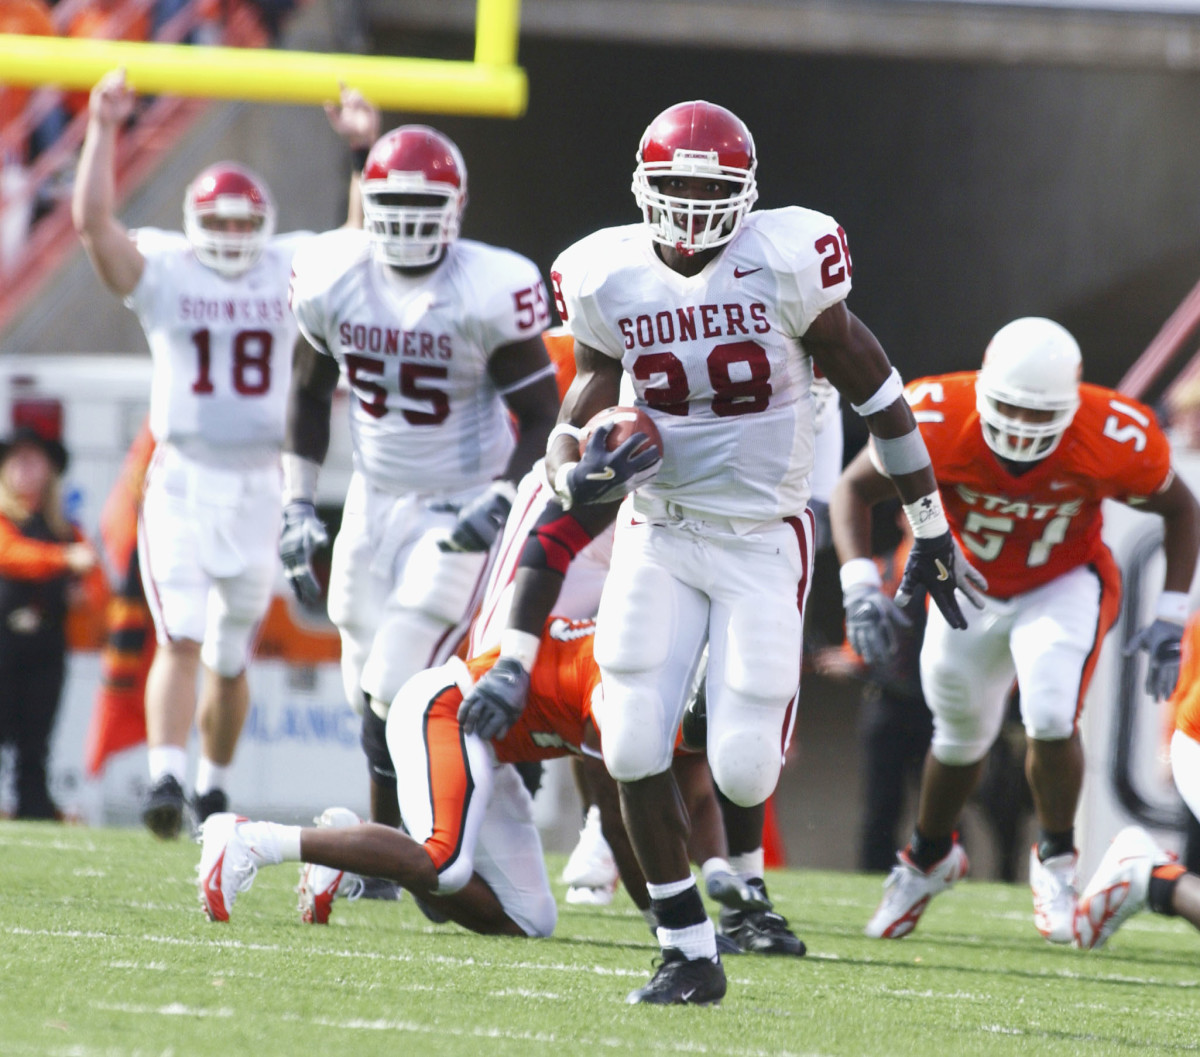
x=426 y=416
x=222 y=347
x=716 y=358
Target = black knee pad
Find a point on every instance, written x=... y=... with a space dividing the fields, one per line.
x=374 y=744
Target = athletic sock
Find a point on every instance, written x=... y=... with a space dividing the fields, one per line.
x=1052 y=844
x=925 y=851
x=210 y=776
x=1161 y=892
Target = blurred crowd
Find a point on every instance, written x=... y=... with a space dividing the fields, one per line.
x=40 y=125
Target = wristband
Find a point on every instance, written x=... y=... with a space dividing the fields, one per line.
x=359 y=155
x=563 y=429
x=858 y=572
x=1172 y=606
x=561 y=488
x=900 y=455
x=887 y=394
x=299 y=478
x=927 y=517
x=520 y=646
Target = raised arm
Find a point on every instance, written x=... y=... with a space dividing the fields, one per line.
x=117 y=261
x=357 y=122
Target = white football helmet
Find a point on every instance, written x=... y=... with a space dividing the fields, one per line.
x=222 y=193
x=695 y=139
x=1033 y=364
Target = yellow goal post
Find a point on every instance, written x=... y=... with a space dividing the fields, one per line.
x=492 y=85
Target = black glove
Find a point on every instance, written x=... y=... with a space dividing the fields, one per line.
x=303 y=532
x=871 y=622
x=497 y=700
x=603 y=476
x=1162 y=643
x=480 y=521
x=937 y=565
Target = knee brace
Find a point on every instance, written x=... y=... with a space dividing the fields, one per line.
x=745 y=748
x=226 y=648
x=635 y=741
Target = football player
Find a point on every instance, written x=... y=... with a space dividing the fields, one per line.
x=1025 y=454
x=213 y=304
x=439 y=338
x=712 y=316
x=471 y=852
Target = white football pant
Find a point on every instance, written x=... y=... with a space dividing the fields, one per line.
x=208 y=549
x=673 y=587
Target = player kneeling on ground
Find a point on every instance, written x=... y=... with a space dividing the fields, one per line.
x=472 y=852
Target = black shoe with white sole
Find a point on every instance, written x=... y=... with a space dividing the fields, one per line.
x=682 y=981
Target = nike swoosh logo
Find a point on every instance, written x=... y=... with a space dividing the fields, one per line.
x=741 y=273
x=943 y=572
x=212 y=885
x=1058 y=486
x=687 y=994
x=607 y=474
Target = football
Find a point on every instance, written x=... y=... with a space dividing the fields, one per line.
x=626 y=422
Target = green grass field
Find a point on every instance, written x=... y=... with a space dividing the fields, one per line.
x=105 y=953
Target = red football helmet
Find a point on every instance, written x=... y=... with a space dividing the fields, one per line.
x=414 y=191
x=228 y=216
x=695 y=139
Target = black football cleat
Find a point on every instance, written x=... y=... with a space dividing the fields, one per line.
x=682 y=981
x=162 y=810
x=211 y=803
x=760 y=931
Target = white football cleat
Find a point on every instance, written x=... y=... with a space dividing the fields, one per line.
x=908 y=890
x=319 y=885
x=1119 y=887
x=591 y=864
x=582 y=895
x=1055 y=895
x=228 y=863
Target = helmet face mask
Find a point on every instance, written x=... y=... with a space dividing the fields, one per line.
x=698 y=147
x=228 y=217
x=1027 y=391
x=414 y=191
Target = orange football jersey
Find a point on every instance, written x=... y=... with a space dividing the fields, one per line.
x=1026 y=530
x=560 y=694
x=561 y=348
